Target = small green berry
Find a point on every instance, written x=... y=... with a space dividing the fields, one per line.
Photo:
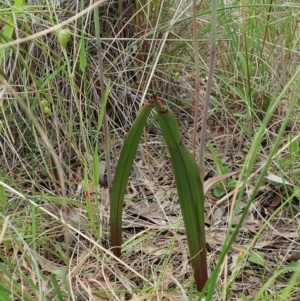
x=63 y=37
x=47 y=111
x=44 y=103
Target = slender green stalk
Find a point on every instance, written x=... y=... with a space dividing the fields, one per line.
x=247 y=60
x=208 y=87
x=197 y=79
x=105 y=120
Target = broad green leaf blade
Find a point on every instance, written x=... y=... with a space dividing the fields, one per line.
x=190 y=192
x=121 y=177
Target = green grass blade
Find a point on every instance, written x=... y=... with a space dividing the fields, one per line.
x=88 y=201
x=121 y=177
x=3 y=197
x=3 y=296
x=56 y=287
x=55 y=274
x=190 y=192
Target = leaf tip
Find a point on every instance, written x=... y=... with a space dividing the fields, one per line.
x=149 y=103
x=159 y=104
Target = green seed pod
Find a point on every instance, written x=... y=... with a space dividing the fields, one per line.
x=43 y=103
x=63 y=37
x=47 y=111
